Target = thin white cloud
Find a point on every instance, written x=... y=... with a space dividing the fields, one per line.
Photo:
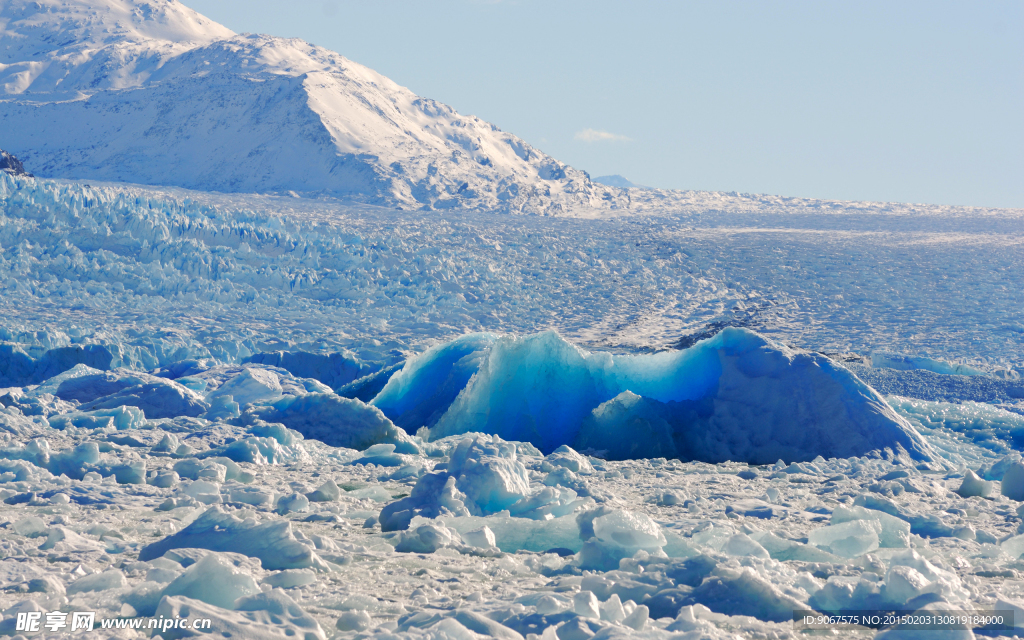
x=595 y=135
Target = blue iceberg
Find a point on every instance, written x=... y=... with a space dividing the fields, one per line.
x=735 y=396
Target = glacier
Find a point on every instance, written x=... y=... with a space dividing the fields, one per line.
x=283 y=385
x=274 y=353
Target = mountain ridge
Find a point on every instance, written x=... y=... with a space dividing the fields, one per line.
x=151 y=92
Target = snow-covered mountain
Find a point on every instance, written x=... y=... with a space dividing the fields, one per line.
x=149 y=91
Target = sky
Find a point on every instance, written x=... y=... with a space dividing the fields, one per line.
x=913 y=101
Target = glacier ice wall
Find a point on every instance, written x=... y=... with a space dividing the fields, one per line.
x=162 y=276
x=737 y=396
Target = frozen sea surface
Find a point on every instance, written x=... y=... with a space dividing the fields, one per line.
x=214 y=406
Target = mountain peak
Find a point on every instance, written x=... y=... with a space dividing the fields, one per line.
x=149 y=91
x=45 y=26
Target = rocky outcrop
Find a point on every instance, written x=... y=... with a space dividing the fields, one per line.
x=10 y=164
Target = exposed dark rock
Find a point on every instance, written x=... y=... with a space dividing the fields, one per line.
x=10 y=164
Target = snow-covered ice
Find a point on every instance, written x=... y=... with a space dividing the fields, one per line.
x=654 y=414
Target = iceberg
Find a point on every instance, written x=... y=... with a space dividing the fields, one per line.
x=419 y=394
x=735 y=396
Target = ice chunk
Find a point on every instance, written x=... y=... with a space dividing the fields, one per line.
x=561 y=476
x=614 y=534
x=426 y=538
x=973 y=486
x=483 y=476
x=1013 y=482
x=565 y=456
x=204 y=470
x=479 y=623
x=998 y=469
x=434 y=494
x=293 y=503
x=202 y=489
x=382 y=455
x=273 y=543
x=488 y=472
x=884 y=360
x=745 y=593
x=251 y=385
x=849 y=539
x=904 y=583
x=742 y=545
x=753 y=508
x=327 y=492
x=637 y=620
x=262 y=450
x=1014 y=546
x=629 y=530
x=354 y=621
x=894 y=533
x=168 y=443
x=515 y=534
x=373 y=492
x=629 y=426
x=223 y=407
x=109 y=579
x=121 y=417
x=67 y=540
x=157 y=398
x=611 y=609
x=550 y=502
x=407 y=471
x=736 y=396
x=482 y=538
x=334 y=369
x=336 y=421
x=215 y=580
x=944 y=582
x=255 y=496
x=586 y=604
x=290 y=578
x=165 y=479
x=30 y=526
x=262 y=616
x=133 y=472
x=60 y=363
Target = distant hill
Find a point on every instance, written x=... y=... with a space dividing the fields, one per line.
x=149 y=91
x=618 y=181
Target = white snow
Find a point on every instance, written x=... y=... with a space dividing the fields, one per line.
x=130 y=74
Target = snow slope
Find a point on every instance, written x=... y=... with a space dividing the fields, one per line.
x=152 y=92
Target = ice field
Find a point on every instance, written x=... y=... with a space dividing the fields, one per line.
x=300 y=418
x=281 y=354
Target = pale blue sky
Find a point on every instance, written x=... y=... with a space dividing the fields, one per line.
x=902 y=101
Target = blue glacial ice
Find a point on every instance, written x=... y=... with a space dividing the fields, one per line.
x=736 y=396
x=419 y=394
